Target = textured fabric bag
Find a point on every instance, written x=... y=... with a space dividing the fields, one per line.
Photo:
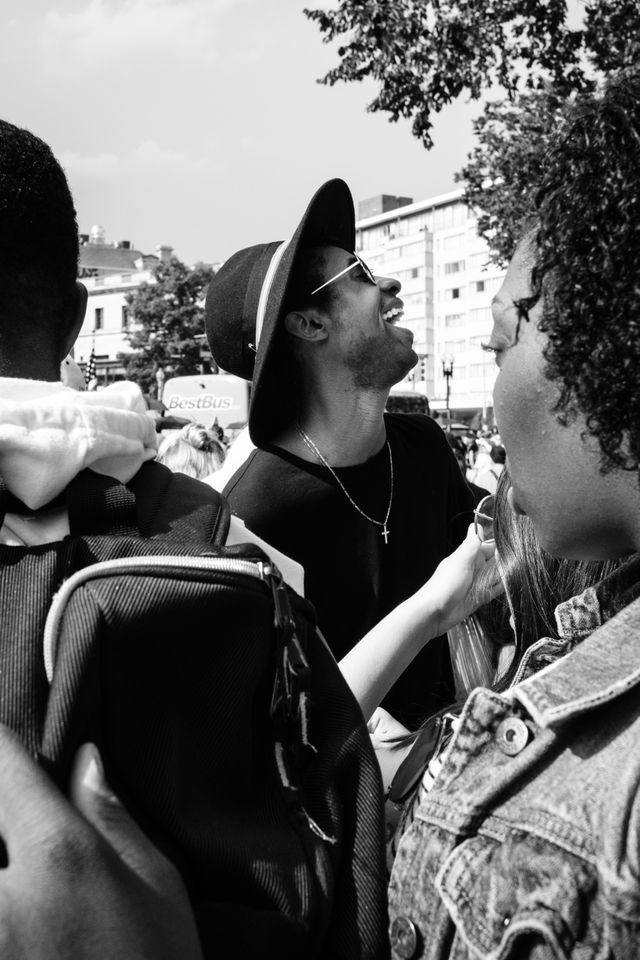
x=224 y=723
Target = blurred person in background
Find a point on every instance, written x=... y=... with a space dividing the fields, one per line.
x=489 y=476
x=193 y=450
x=460 y=452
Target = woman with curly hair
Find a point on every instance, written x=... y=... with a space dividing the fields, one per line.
x=527 y=843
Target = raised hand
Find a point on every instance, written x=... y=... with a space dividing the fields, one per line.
x=82 y=881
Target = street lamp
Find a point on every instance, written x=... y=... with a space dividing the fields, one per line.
x=160 y=379
x=447 y=373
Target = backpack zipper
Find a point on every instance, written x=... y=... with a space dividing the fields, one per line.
x=256 y=569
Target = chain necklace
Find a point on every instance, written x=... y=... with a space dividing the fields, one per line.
x=379 y=523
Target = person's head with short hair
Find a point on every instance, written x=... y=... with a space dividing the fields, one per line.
x=41 y=303
x=193 y=450
x=567 y=337
x=498 y=453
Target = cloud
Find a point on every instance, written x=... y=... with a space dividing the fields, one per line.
x=148 y=157
x=101 y=166
x=106 y=33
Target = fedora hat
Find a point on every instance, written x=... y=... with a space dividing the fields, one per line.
x=245 y=303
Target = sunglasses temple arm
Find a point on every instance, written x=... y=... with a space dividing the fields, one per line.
x=337 y=276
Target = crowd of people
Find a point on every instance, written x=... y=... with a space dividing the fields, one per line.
x=480 y=598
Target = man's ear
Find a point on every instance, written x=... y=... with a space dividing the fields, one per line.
x=79 y=308
x=306 y=325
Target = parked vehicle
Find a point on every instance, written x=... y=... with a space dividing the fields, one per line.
x=219 y=397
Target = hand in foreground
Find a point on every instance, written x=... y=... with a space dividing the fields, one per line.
x=462 y=582
x=83 y=881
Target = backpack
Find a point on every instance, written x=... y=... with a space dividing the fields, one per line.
x=223 y=721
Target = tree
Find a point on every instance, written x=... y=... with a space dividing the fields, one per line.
x=424 y=54
x=502 y=172
x=166 y=318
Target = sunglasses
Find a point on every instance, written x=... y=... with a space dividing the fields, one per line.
x=483 y=517
x=356 y=263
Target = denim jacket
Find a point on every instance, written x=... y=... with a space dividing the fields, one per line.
x=528 y=844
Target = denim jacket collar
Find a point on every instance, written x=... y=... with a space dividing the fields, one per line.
x=601 y=629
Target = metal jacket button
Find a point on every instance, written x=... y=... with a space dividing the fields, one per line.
x=512 y=736
x=404 y=938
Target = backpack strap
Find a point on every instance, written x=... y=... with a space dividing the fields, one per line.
x=180 y=507
x=96 y=504
x=155 y=503
x=99 y=505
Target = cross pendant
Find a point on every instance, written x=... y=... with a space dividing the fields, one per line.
x=385 y=533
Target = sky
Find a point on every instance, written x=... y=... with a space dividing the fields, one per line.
x=200 y=123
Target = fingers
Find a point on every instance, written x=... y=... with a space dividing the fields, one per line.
x=94 y=798
x=491 y=585
x=32 y=809
x=485 y=548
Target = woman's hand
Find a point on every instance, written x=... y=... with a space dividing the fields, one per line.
x=462 y=582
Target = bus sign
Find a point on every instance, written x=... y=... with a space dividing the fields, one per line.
x=204 y=399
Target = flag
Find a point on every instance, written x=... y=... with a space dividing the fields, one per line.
x=90 y=372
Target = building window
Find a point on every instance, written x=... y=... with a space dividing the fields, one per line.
x=454 y=267
x=415 y=272
x=481 y=316
x=125 y=317
x=455 y=320
x=454 y=242
x=479 y=286
x=98 y=318
x=453 y=293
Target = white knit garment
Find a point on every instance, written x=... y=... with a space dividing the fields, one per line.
x=49 y=432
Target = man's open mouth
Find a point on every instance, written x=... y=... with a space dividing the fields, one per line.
x=393 y=315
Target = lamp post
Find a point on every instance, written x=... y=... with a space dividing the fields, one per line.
x=160 y=379
x=447 y=373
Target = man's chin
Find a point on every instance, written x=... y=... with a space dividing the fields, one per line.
x=409 y=360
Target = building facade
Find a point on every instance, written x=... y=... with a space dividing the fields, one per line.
x=110 y=271
x=448 y=282
x=431 y=246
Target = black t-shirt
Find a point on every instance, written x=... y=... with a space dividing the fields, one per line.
x=351 y=576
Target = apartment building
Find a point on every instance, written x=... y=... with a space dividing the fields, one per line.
x=448 y=281
x=110 y=271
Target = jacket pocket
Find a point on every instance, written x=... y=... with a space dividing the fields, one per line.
x=522 y=897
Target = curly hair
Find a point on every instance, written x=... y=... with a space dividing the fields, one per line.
x=586 y=248
x=38 y=234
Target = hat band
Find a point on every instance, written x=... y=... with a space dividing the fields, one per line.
x=266 y=287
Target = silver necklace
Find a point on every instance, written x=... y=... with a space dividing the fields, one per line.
x=379 y=523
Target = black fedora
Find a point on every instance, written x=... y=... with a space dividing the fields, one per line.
x=246 y=298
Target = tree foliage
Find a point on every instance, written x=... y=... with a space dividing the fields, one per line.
x=165 y=318
x=424 y=54
x=502 y=171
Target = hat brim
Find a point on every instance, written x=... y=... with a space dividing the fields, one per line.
x=328 y=220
